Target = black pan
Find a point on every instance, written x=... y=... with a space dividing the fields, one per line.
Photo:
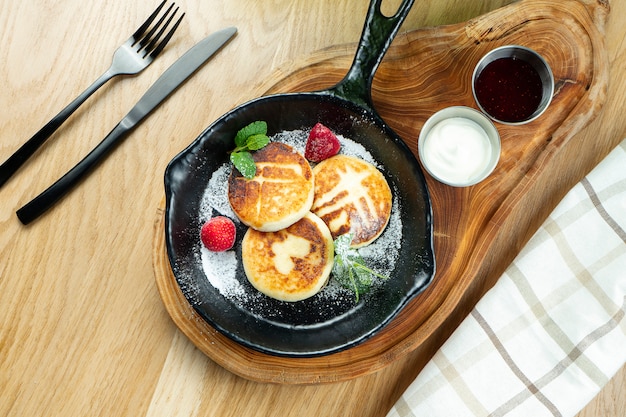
x=309 y=327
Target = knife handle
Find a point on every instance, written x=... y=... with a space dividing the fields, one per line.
x=15 y=161
x=40 y=204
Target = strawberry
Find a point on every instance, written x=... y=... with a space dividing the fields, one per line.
x=321 y=144
x=218 y=234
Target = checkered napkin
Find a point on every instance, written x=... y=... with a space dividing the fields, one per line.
x=552 y=331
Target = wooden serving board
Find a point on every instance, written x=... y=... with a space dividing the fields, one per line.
x=477 y=230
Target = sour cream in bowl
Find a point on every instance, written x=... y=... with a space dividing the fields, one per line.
x=459 y=146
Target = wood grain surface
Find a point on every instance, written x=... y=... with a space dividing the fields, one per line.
x=83 y=330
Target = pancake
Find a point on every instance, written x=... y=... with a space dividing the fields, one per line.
x=352 y=195
x=280 y=193
x=291 y=264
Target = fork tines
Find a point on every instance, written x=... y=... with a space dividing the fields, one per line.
x=146 y=40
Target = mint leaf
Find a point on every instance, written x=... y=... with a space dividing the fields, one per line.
x=254 y=128
x=342 y=244
x=244 y=163
x=349 y=268
x=251 y=138
x=363 y=278
x=256 y=142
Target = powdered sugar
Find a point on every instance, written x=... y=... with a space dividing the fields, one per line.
x=215 y=198
x=297 y=140
x=221 y=270
x=224 y=271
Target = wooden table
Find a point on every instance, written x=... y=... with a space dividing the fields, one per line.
x=82 y=327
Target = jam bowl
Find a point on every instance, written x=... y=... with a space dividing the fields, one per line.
x=513 y=84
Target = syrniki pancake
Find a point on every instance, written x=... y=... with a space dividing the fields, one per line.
x=352 y=195
x=291 y=264
x=279 y=195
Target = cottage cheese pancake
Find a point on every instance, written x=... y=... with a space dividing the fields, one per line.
x=352 y=195
x=291 y=264
x=279 y=195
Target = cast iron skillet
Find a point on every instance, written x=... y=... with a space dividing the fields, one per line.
x=306 y=328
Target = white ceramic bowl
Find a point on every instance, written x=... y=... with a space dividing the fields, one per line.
x=459 y=146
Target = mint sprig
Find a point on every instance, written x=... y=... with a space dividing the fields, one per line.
x=250 y=138
x=349 y=268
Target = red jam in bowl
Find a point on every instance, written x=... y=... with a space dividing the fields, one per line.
x=509 y=89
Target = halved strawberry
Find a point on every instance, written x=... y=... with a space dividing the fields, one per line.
x=321 y=144
x=218 y=234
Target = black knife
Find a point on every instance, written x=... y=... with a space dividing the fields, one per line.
x=165 y=85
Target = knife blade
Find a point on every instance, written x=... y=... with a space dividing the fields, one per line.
x=165 y=85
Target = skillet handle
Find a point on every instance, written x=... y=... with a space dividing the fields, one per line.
x=378 y=33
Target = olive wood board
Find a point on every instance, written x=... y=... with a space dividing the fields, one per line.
x=478 y=230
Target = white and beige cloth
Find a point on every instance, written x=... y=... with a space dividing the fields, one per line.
x=552 y=331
